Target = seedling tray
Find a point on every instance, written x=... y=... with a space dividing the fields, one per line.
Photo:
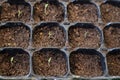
x=59 y=39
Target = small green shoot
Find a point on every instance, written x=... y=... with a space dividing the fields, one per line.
x=49 y=34
x=11 y=59
x=19 y=13
x=49 y=60
x=86 y=33
x=45 y=9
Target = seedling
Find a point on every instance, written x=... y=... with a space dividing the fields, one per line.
x=49 y=34
x=19 y=13
x=11 y=59
x=45 y=9
x=49 y=60
x=86 y=33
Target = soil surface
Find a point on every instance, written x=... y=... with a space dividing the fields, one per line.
x=48 y=11
x=85 y=64
x=49 y=62
x=110 y=12
x=113 y=61
x=13 y=35
x=15 y=12
x=112 y=36
x=49 y=36
x=14 y=63
x=84 y=37
x=82 y=12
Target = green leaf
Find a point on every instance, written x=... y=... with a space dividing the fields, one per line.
x=11 y=59
x=49 y=60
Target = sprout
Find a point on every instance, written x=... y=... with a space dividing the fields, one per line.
x=49 y=60
x=45 y=9
x=85 y=35
x=49 y=33
x=11 y=59
x=19 y=13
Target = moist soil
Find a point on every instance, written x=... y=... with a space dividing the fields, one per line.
x=82 y=12
x=84 y=37
x=15 y=12
x=49 y=36
x=18 y=66
x=112 y=37
x=110 y=12
x=54 y=11
x=14 y=36
x=85 y=64
x=113 y=62
x=49 y=62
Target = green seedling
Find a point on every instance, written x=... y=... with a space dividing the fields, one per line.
x=49 y=34
x=45 y=9
x=19 y=13
x=49 y=60
x=86 y=33
x=11 y=59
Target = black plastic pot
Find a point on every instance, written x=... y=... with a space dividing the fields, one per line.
x=66 y=50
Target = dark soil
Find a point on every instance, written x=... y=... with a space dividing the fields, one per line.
x=50 y=62
x=85 y=63
x=110 y=12
x=113 y=61
x=15 y=12
x=112 y=36
x=49 y=35
x=18 y=66
x=54 y=11
x=82 y=12
x=84 y=36
x=14 y=35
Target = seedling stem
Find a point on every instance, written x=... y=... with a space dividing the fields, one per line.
x=85 y=35
x=46 y=5
x=49 y=60
x=19 y=13
x=11 y=59
x=49 y=33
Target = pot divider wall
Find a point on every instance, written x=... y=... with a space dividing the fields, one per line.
x=59 y=39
